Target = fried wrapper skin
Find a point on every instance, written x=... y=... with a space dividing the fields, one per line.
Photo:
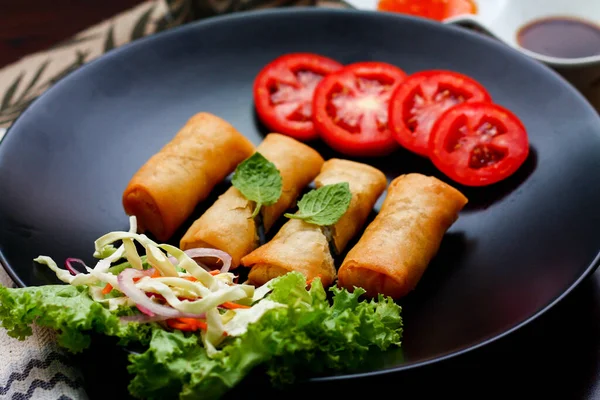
x=298 y=246
x=396 y=248
x=227 y=225
x=163 y=193
x=304 y=247
x=366 y=185
x=298 y=165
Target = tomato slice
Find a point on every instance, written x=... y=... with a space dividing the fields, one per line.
x=432 y=9
x=351 y=108
x=477 y=144
x=283 y=92
x=422 y=98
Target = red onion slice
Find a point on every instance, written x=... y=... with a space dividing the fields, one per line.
x=138 y=296
x=173 y=261
x=71 y=268
x=145 y=310
x=205 y=252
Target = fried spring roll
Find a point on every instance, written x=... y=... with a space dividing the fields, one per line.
x=167 y=188
x=298 y=246
x=227 y=225
x=298 y=165
x=366 y=184
x=396 y=248
x=303 y=247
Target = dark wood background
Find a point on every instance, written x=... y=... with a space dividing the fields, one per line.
x=27 y=26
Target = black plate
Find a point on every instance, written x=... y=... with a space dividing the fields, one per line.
x=517 y=248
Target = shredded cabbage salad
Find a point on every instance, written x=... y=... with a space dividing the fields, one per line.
x=168 y=285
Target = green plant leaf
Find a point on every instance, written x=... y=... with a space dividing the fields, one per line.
x=33 y=81
x=324 y=206
x=11 y=113
x=79 y=61
x=162 y=24
x=139 y=29
x=10 y=92
x=109 y=41
x=259 y=180
x=6 y=121
x=17 y=107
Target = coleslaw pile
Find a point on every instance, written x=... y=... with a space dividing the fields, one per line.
x=168 y=285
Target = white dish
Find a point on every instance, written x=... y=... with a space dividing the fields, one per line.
x=503 y=20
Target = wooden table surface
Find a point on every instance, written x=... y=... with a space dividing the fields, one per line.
x=27 y=26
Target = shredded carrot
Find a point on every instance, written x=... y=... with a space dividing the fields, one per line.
x=181 y=326
x=202 y=325
x=156 y=274
x=215 y=272
x=107 y=289
x=189 y=321
x=233 y=306
x=187 y=324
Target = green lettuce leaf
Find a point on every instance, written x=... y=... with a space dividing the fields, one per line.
x=309 y=336
x=70 y=311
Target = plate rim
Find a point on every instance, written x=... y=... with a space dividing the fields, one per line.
x=300 y=10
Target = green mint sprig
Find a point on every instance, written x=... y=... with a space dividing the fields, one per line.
x=324 y=206
x=258 y=180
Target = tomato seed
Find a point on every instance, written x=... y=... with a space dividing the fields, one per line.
x=484 y=156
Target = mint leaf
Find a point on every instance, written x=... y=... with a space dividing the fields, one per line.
x=324 y=206
x=258 y=180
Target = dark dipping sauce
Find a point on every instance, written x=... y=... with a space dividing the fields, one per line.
x=562 y=37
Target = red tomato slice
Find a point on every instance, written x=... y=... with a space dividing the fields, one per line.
x=283 y=92
x=351 y=108
x=422 y=98
x=477 y=144
x=433 y=9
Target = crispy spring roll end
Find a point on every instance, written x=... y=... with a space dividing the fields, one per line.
x=140 y=203
x=263 y=273
x=396 y=248
x=227 y=225
x=372 y=282
x=298 y=246
x=164 y=191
